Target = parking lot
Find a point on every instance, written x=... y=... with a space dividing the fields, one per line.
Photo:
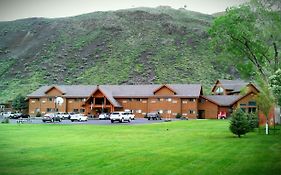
x=90 y=121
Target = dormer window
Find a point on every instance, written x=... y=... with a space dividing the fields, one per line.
x=219 y=91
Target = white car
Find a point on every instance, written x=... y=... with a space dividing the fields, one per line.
x=119 y=116
x=78 y=117
x=7 y=114
x=63 y=115
x=131 y=115
x=103 y=116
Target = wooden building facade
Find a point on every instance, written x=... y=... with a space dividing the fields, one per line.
x=169 y=100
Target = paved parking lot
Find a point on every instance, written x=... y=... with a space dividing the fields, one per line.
x=91 y=121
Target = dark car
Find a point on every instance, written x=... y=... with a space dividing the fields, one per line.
x=19 y=115
x=23 y=116
x=153 y=116
x=51 y=118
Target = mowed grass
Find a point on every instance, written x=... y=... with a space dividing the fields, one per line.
x=179 y=147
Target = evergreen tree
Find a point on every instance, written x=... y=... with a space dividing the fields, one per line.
x=239 y=124
x=253 y=121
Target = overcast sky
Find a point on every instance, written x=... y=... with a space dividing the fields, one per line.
x=17 y=9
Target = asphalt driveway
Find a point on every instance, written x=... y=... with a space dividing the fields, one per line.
x=90 y=121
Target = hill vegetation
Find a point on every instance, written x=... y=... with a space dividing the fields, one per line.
x=135 y=46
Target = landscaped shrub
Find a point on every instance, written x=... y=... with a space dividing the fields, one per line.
x=38 y=114
x=253 y=121
x=5 y=120
x=239 y=124
x=178 y=116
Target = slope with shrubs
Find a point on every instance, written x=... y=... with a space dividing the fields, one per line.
x=134 y=46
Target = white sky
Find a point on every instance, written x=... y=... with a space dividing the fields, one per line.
x=17 y=9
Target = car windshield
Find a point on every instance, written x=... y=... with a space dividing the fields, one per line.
x=115 y=113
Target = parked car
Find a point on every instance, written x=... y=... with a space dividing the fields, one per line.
x=19 y=115
x=8 y=114
x=70 y=114
x=51 y=117
x=63 y=115
x=78 y=117
x=119 y=116
x=153 y=116
x=222 y=115
x=104 y=116
x=130 y=115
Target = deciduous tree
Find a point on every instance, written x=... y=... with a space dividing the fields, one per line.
x=19 y=103
x=250 y=36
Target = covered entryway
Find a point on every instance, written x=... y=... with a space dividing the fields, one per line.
x=99 y=102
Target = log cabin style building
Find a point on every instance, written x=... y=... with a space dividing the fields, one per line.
x=167 y=99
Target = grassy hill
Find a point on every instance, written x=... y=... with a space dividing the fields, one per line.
x=135 y=46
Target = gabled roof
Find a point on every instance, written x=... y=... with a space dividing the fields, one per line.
x=115 y=91
x=223 y=100
x=182 y=90
x=55 y=88
x=108 y=95
x=160 y=87
x=231 y=85
x=69 y=90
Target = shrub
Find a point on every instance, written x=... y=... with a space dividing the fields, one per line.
x=253 y=121
x=178 y=116
x=38 y=114
x=5 y=120
x=239 y=124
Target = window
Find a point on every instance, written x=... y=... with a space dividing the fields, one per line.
x=138 y=111
x=77 y=99
x=50 y=99
x=252 y=103
x=242 y=105
x=49 y=109
x=168 y=99
x=75 y=110
x=219 y=91
x=169 y=111
x=160 y=111
x=82 y=110
x=192 y=99
x=192 y=112
x=252 y=110
x=202 y=101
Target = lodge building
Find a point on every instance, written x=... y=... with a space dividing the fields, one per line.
x=168 y=99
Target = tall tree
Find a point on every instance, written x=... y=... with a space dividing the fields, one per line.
x=19 y=103
x=250 y=35
x=275 y=85
x=265 y=100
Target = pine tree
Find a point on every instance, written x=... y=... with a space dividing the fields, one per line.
x=239 y=124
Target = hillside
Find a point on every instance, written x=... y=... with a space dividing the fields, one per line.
x=135 y=46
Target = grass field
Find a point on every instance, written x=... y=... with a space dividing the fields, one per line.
x=180 y=147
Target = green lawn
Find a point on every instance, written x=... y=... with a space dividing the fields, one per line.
x=180 y=147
